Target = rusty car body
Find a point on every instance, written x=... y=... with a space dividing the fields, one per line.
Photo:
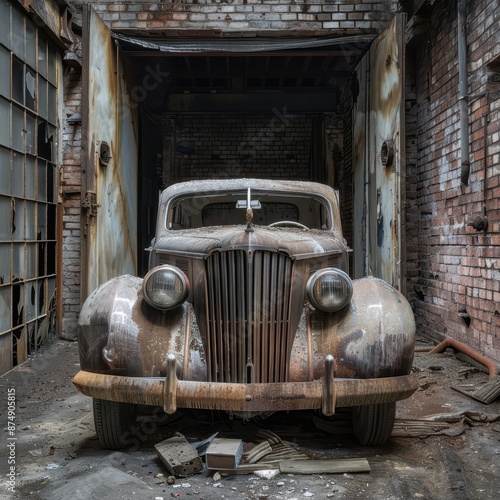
x=247 y=308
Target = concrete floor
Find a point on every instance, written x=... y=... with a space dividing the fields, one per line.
x=57 y=455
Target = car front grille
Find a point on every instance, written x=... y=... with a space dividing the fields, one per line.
x=248 y=311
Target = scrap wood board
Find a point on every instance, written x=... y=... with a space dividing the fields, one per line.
x=486 y=393
x=324 y=466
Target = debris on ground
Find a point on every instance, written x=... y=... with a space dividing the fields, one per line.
x=267 y=454
x=424 y=428
x=485 y=393
x=224 y=454
x=202 y=446
x=178 y=456
x=340 y=466
x=448 y=424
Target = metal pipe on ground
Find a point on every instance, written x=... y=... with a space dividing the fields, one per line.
x=455 y=344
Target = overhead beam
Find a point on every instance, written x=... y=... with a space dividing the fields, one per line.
x=260 y=73
x=317 y=102
x=279 y=53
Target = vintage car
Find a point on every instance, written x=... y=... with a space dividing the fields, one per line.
x=247 y=308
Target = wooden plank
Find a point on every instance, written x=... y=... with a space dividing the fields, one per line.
x=324 y=466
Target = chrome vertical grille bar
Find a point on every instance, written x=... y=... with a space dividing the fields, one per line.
x=279 y=358
x=233 y=319
x=266 y=294
x=271 y=311
x=211 y=336
x=239 y=288
x=225 y=306
x=258 y=361
x=218 y=317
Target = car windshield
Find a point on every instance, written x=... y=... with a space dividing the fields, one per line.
x=229 y=209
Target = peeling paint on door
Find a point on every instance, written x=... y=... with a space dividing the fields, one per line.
x=110 y=177
x=379 y=171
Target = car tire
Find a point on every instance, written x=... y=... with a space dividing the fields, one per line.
x=113 y=422
x=372 y=424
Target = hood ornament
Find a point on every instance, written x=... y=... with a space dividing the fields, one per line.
x=249 y=205
x=249 y=228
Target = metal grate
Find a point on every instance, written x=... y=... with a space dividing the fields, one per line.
x=248 y=311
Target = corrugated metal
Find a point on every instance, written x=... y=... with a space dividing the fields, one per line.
x=109 y=119
x=379 y=182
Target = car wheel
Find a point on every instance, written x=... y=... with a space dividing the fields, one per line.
x=113 y=422
x=372 y=424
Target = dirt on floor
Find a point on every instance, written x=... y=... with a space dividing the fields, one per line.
x=50 y=448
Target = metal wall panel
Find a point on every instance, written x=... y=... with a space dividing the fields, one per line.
x=359 y=167
x=384 y=161
x=110 y=141
x=28 y=157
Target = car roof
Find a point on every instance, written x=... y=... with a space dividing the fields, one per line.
x=214 y=185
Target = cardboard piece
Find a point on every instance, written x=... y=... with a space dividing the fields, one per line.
x=224 y=454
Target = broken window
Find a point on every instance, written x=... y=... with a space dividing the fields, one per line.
x=4 y=122
x=5 y=24
x=4 y=70
x=17 y=174
x=4 y=171
x=28 y=185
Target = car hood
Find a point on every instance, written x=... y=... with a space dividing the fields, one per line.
x=298 y=243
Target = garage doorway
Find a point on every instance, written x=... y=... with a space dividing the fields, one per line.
x=174 y=110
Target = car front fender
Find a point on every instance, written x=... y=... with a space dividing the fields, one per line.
x=120 y=334
x=374 y=336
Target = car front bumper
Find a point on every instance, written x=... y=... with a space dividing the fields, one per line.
x=171 y=393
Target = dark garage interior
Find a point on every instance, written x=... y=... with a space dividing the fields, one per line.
x=242 y=109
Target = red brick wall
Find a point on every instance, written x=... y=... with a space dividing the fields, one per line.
x=71 y=175
x=458 y=267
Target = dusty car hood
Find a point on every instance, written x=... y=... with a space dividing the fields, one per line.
x=298 y=243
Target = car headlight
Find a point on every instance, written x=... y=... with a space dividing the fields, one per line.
x=329 y=289
x=165 y=287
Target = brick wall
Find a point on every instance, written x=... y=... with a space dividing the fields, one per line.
x=262 y=145
x=246 y=15
x=411 y=208
x=458 y=283
x=70 y=188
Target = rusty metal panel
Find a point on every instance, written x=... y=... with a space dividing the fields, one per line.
x=386 y=148
x=384 y=162
x=359 y=167
x=49 y=13
x=109 y=222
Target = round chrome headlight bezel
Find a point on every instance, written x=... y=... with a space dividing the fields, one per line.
x=165 y=287
x=342 y=289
